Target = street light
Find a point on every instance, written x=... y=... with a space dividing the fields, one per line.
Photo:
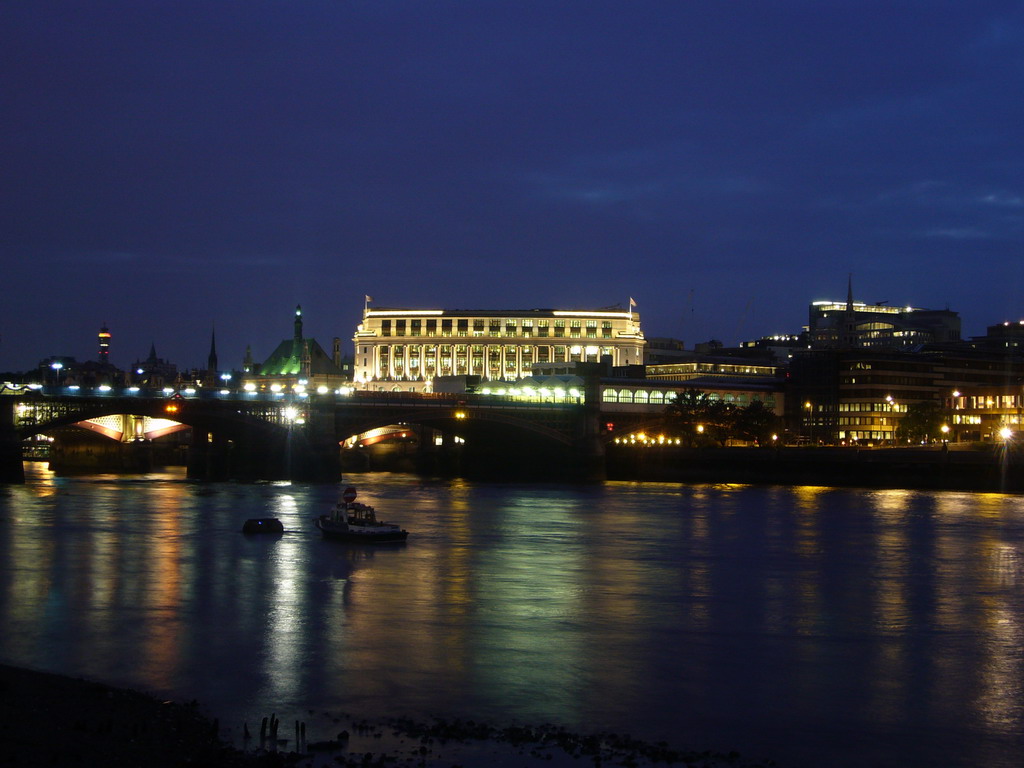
x=56 y=365
x=892 y=407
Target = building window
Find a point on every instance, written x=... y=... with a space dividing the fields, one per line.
x=385 y=327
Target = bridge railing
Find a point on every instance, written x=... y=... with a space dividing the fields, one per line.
x=439 y=400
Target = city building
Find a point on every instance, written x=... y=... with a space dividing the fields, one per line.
x=780 y=346
x=987 y=414
x=104 y=341
x=154 y=372
x=843 y=325
x=1004 y=337
x=297 y=364
x=66 y=371
x=408 y=348
x=708 y=369
x=665 y=350
x=860 y=395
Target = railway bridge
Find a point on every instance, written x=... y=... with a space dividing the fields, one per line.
x=249 y=435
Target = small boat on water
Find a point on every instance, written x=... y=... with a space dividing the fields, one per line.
x=262 y=525
x=355 y=522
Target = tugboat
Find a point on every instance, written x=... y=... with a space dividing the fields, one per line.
x=355 y=522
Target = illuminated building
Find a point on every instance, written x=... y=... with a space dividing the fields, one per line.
x=731 y=380
x=982 y=413
x=860 y=395
x=713 y=369
x=844 y=325
x=1007 y=338
x=297 y=364
x=408 y=348
x=104 y=339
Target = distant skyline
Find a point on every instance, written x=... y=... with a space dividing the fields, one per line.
x=168 y=167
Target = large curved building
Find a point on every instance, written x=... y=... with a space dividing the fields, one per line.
x=408 y=348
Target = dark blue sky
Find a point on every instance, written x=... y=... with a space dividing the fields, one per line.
x=168 y=167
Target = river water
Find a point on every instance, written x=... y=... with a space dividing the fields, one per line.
x=809 y=625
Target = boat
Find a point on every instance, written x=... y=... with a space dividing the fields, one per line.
x=355 y=522
x=262 y=525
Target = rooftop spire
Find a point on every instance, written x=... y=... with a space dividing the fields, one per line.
x=211 y=361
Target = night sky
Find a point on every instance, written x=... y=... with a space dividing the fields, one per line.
x=168 y=168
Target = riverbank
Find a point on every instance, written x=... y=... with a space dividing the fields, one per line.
x=925 y=468
x=53 y=720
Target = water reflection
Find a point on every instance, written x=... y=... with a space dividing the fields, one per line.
x=786 y=622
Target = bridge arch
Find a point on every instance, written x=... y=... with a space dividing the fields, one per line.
x=449 y=421
x=48 y=416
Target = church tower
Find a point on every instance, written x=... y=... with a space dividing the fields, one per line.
x=848 y=334
x=211 y=361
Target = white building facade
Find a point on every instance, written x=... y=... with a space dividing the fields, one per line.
x=408 y=348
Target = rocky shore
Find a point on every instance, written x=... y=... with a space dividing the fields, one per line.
x=52 y=720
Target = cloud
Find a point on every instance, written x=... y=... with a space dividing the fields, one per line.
x=100 y=258
x=962 y=233
x=1003 y=200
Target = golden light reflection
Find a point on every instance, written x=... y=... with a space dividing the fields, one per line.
x=30 y=550
x=162 y=644
x=287 y=617
x=808 y=499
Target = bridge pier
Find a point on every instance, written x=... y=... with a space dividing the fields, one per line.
x=208 y=456
x=12 y=468
x=320 y=456
x=591 y=453
x=306 y=453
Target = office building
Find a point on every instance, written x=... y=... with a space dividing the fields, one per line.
x=407 y=349
x=854 y=324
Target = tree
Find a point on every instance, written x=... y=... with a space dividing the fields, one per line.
x=922 y=422
x=756 y=423
x=699 y=417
